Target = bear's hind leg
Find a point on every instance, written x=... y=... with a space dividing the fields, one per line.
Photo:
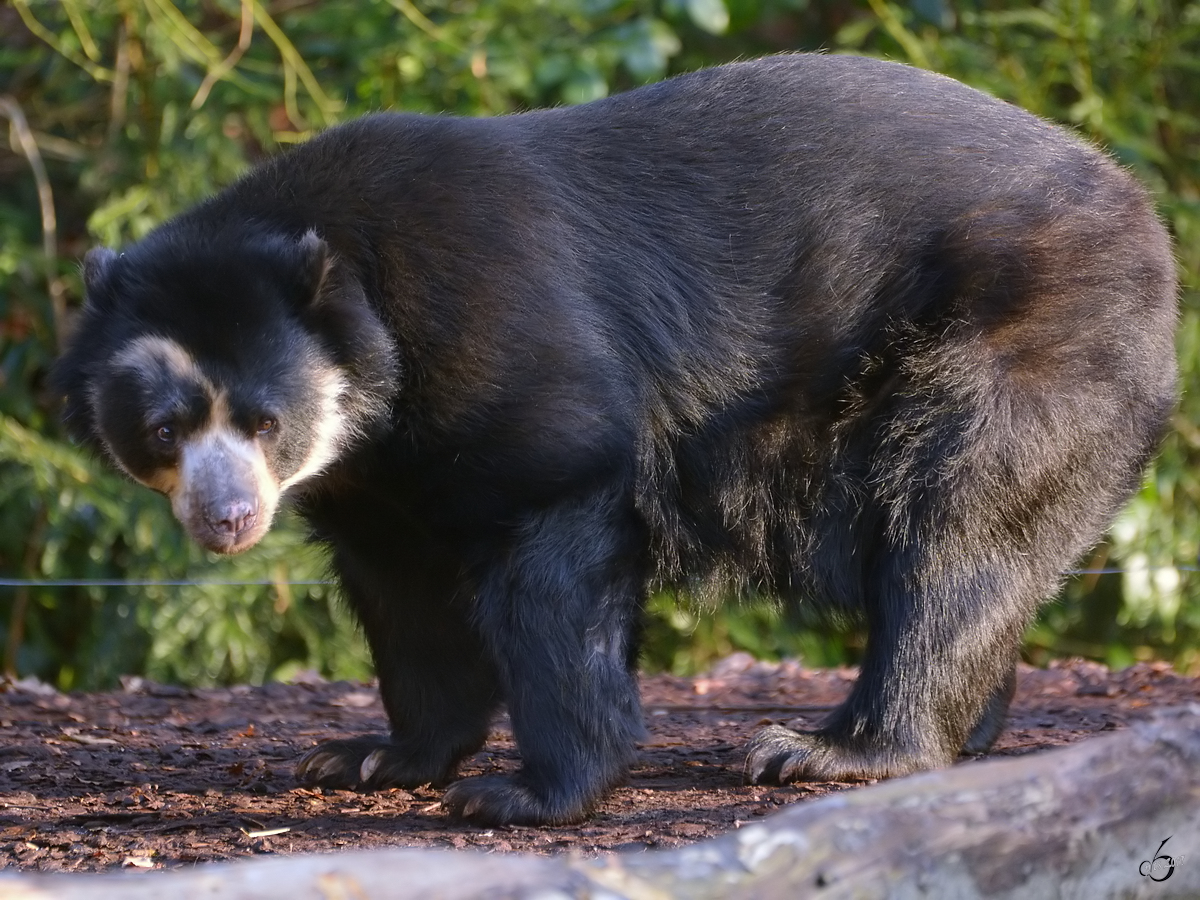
x=934 y=681
x=995 y=715
x=980 y=492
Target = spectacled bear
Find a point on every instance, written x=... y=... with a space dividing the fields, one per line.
x=826 y=328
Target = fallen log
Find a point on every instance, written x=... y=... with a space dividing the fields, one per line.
x=1114 y=816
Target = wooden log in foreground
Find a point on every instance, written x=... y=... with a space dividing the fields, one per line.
x=1081 y=822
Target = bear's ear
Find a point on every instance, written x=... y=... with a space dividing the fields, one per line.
x=96 y=265
x=99 y=267
x=314 y=264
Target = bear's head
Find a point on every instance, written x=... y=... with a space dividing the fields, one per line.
x=224 y=369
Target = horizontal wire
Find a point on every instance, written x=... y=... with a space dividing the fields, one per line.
x=1134 y=571
x=118 y=582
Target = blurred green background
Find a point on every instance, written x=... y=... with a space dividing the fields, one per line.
x=123 y=112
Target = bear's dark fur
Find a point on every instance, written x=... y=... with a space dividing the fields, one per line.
x=821 y=327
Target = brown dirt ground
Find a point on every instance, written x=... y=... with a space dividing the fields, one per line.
x=161 y=777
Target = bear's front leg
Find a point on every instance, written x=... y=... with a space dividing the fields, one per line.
x=437 y=683
x=558 y=608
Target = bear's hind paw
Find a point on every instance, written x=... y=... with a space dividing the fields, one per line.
x=778 y=755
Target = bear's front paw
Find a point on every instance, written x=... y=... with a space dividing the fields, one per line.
x=338 y=764
x=506 y=800
x=367 y=763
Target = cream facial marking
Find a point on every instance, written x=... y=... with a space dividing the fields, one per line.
x=143 y=353
x=332 y=429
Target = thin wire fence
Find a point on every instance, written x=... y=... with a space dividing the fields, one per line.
x=119 y=582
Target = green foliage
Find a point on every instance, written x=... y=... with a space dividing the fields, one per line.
x=141 y=107
x=683 y=636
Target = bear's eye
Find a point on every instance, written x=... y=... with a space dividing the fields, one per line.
x=166 y=434
x=265 y=426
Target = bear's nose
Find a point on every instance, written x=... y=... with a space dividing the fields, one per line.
x=234 y=517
